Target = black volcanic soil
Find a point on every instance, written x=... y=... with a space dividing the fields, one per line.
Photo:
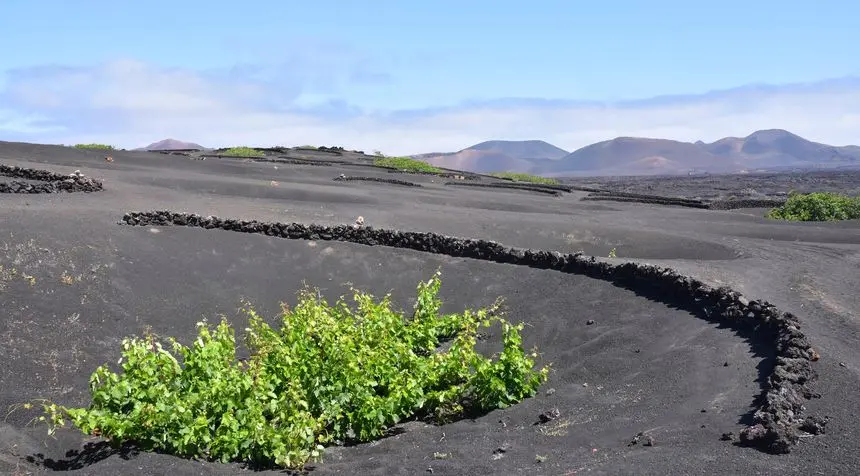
x=640 y=367
x=727 y=187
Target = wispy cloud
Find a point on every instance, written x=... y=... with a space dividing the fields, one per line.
x=26 y=124
x=130 y=103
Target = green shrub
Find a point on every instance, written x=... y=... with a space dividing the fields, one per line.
x=407 y=164
x=243 y=152
x=818 y=206
x=328 y=374
x=94 y=146
x=520 y=177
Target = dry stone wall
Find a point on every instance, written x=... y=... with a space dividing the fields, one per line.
x=45 y=181
x=778 y=420
x=352 y=178
x=508 y=186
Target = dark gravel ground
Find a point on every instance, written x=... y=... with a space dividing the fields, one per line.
x=95 y=282
x=729 y=187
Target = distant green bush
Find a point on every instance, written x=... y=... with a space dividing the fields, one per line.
x=818 y=206
x=520 y=177
x=328 y=374
x=407 y=164
x=243 y=152
x=94 y=146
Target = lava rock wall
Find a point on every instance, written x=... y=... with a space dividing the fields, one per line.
x=48 y=182
x=530 y=185
x=746 y=203
x=450 y=175
x=348 y=178
x=778 y=421
x=509 y=186
x=608 y=195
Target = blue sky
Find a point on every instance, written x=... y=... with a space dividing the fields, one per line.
x=421 y=76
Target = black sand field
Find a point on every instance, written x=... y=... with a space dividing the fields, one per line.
x=82 y=282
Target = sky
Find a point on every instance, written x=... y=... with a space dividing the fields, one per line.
x=423 y=76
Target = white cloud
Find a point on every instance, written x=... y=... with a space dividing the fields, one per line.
x=27 y=124
x=129 y=103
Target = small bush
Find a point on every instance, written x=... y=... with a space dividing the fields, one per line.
x=407 y=164
x=520 y=177
x=94 y=146
x=818 y=206
x=243 y=152
x=328 y=374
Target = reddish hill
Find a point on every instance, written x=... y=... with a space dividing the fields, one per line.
x=635 y=155
x=172 y=144
x=497 y=156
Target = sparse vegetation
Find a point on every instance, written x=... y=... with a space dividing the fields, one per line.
x=406 y=163
x=94 y=146
x=67 y=279
x=818 y=206
x=521 y=177
x=328 y=374
x=243 y=151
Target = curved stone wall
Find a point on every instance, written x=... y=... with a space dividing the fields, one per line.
x=649 y=200
x=349 y=178
x=609 y=195
x=509 y=186
x=778 y=421
x=746 y=203
x=450 y=175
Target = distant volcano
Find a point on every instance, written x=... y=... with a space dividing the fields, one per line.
x=762 y=150
x=497 y=156
x=172 y=144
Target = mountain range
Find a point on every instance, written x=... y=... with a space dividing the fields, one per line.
x=762 y=150
x=770 y=149
x=498 y=155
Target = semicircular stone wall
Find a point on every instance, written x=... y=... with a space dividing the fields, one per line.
x=778 y=420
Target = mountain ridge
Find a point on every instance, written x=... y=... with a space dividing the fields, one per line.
x=762 y=149
x=511 y=156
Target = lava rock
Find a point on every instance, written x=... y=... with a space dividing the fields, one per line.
x=549 y=415
x=777 y=421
